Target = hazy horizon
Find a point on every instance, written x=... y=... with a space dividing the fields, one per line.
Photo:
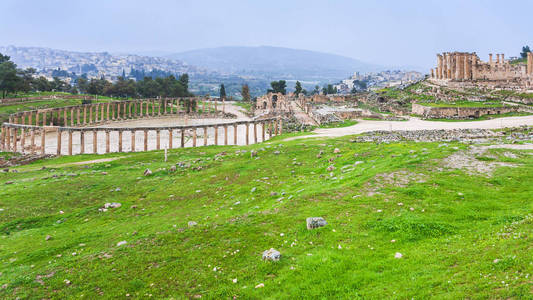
x=381 y=32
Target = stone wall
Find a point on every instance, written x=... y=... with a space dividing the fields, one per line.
x=459 y=112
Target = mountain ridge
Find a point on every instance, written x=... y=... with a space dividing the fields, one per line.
x=275 y=62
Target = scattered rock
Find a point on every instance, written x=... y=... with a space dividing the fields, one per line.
x=10 y=182
x=253 y=153
x=121 y=243
x=271 y=254
x=277 y=152
x=191 y=223
x=147 y=172
x=331 y=168
x=315 y=222
x=172 y=169
x=261 y=285
x=48 y=237
x=112 y=205
x=254 y=189
x=273 y=194
x=67 y=282
x=336 y=150
x=398 y=255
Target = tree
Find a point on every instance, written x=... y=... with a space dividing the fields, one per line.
x=184 y=79
x=245 y=92
x=3 y=58
x=222 y=91
x=278 y=87
x=316 y=91
x=524 y=52
x=298 y=88
x=9 y=81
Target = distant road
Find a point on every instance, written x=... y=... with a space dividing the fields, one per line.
x=416 y=124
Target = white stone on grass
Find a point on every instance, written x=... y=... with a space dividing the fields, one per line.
x=271 y=254
x=315 y=222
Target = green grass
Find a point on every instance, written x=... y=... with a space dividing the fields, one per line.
x=345 y=123
x=485 y=117
x=462 y=104
x=460 y=224
x=247 y=106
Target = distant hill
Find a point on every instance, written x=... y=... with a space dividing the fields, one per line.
x=275 y=63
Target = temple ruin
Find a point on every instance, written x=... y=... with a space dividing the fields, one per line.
x=468 y=67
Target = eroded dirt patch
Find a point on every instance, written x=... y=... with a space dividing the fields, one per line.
x=477 y=161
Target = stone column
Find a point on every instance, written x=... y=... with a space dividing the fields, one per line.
x=22 y=140
x=118 y=110
x=37 y=118
x=43 y=140
x=216 y=135
x=82 y=142
x=8 y=139
x=120 y=141
x=432 y=74
x=78 y=115
x=145 y=140
x=107 y=142
x=205 y=136
x=70 y=142
x=95 y=141
x=157 y=139
x=497 y=58
x=132 y=141
x=247 y=134
x=439 y=65
x=3 y=138
x=194 y=137
x=170 y=138
x=503 y=58
x=474 y=66
x=90 y=114
x=255 y=132
x=58 y=150
x=262 y=131
x=159 y=107
x=32 y=138
x=235 y=134
x=182 y=138
x=530 y=63
x=14 y=132
x=72 y=117
x=153 y=108
x=84 y=114
x=65 y=120
x=466 y=74
x=490 y=59
x=108 y=108
x=102 y=112
x=225 y=134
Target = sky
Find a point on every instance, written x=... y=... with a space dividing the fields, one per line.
x=385 y=32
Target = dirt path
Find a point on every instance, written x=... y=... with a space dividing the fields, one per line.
x=416 y=124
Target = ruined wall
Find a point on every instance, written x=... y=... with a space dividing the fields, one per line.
x=463 y=66
x=459 y=112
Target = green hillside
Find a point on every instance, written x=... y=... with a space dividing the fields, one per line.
x=460 y=235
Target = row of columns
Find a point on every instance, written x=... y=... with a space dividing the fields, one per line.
x=455 y=66
x=529 y=63
x=9 y=137
x=95 y=113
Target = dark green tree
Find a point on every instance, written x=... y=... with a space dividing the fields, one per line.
x=245 y=92
x=222 y=91
x=524 y=52
x=298 y=88
x=278 y=87
x=316 y=91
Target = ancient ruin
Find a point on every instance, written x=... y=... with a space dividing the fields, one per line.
x=89 y=128
x=468 y=67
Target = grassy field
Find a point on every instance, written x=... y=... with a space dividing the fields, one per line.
x=461 y=235
x=485 y=117
x=462 y=104
x=345 y=123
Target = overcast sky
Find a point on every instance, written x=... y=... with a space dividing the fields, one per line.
x=387 y=32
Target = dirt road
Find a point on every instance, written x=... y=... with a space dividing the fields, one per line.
x=416 y=124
